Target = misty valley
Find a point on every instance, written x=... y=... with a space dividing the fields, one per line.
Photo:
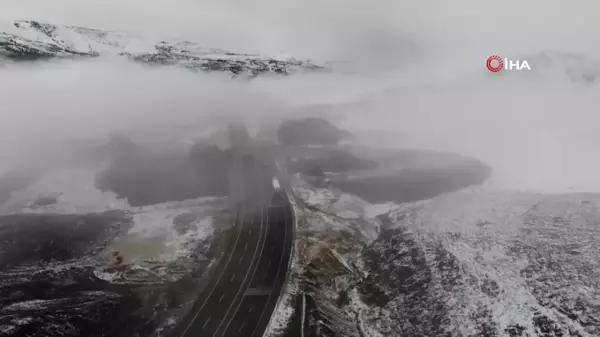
x=167 y=170
x=61 y=265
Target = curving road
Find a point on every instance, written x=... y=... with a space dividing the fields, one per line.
x=241 y=297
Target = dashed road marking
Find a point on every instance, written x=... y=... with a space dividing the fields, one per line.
x=240 y=218
x=276 y=275
x=207 y=320
x=263 y=218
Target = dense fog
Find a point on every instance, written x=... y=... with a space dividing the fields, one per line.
x=413 y=76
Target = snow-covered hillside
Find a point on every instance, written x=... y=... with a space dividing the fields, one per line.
x=479 y=262
x=32 y=40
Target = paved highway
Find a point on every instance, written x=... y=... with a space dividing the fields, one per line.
x=242 y=295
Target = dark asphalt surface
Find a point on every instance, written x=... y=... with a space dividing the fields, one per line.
x=242 y=295
x=257 y=306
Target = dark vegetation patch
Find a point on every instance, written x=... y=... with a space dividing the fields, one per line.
x=412 y=184
x=343 y=298
x=30 y=238
x=146 y=178
x=337 y=161
x=45 y=200
x=309 y=131
x=424 y=174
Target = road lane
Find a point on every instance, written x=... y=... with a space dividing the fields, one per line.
x=251 y=313
x=239 y=294
x=241 y=297
x=218 y=296
x=277 y=275
x=270 y=275
x=248 y=313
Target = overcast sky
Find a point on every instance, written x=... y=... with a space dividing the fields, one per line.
x=421 y=78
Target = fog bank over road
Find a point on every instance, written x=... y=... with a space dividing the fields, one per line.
x=414 y=71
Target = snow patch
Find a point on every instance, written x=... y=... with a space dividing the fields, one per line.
x=282 y=314
x=159 y=221
x=356 y=307
x=163 y=243
x=73 y=190
x=350 y=212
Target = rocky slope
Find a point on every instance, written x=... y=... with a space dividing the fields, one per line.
x=30 y=40
x=476 y=263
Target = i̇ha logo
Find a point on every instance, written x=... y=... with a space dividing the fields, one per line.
x=496 y=63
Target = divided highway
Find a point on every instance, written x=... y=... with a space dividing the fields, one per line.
x=244 y=290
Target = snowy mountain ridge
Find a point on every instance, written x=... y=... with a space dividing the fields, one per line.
x=33 y=40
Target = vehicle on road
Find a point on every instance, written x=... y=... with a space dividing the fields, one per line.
x=276 y=184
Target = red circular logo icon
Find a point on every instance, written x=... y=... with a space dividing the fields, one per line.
x=494 y=63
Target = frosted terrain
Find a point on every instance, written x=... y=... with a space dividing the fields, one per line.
x=516 y=257
x=480 y=262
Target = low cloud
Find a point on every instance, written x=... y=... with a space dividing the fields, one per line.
x=418 y=76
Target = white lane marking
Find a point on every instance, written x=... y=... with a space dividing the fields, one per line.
x=241 y=259
x=246 y=276
x=219 y=279
x=246 y=246
x=285 y=235
x=221 y=298
x=232 y=277
x=250 y=232
x=241 y=327
x=251 y=307
x=207 y=320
